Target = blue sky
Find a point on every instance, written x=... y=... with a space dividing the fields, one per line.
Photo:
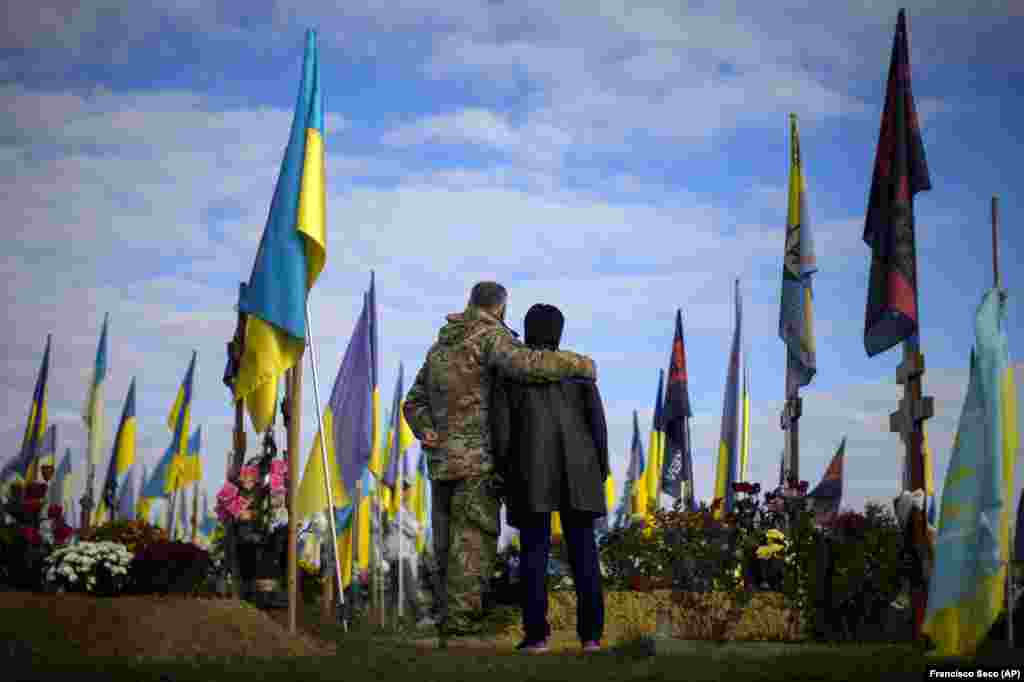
x=615 y=159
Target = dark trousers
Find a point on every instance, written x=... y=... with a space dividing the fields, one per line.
x=535 y=549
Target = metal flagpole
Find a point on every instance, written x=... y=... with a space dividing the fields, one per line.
x=1009 y=553
x=327 y=481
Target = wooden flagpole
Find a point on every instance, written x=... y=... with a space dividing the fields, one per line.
x=195 y=510
x=294 y=435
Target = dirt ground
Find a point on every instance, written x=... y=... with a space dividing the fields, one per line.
x=151 y=627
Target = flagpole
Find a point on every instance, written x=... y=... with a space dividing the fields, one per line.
x=1009 y=551
x=294 y=434
x=327 y=482
x=235 y=347
x=195 y=510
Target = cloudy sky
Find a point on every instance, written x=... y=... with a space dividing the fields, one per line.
x=619 y=160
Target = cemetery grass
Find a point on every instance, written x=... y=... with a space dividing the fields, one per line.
x=368 y=652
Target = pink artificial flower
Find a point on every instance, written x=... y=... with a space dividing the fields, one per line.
x=237 y=505
x=277 y=484
x=227 y=493
x=279 y=468
x=61 y=534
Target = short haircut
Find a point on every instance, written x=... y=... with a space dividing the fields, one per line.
x=488 y=295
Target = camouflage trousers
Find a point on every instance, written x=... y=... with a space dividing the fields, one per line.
x=466 y=528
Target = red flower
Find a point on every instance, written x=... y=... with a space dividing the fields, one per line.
x=62 y=533
x=31 y=535
x=55 y=512
x=32 y=506
x=35 y=491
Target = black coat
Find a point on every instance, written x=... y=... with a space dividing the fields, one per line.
x=551 y=445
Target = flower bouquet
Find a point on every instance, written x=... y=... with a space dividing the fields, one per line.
x=96 y=567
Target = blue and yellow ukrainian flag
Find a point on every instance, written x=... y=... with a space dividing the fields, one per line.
x=634 y=475
x=35 y=427
x=126 y=500
x=422 y=500
x=796 y=314
x=363 y=522
x=46 y=452
x=291 y=255
x=92 y=412
x=193 y=462
x=179 y=421
x=656 y=449
x=397 y=472
x=745 y=421
x=123 y=454
x=967 y=588
x=60 y=488
x=728 y=444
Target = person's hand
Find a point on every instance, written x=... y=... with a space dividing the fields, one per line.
x=429 y=438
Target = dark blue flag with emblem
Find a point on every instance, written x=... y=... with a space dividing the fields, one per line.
x=829 y=493
x=678 y=460
x=900 y=172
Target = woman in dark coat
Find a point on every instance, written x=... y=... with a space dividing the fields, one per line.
x=551 y=444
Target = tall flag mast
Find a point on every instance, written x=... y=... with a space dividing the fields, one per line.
x=728 y=445
x=796 y=316
x=892 y=313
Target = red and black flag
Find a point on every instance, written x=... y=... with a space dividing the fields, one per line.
x=677 y=466
x=829 y=493
x=900 y=173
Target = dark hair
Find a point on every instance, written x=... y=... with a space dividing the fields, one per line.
x=543 y=326
x=488 y=295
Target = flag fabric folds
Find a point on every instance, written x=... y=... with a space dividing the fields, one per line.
x=376 y=446
x=193 y=469
x=422 y=500
x=291 y=255
x=637 y=494
x=829 y=492
x=123 y=454
x=900 y=172
x=35 y=428
x=796 y=314
x=967 y=587
x=126 y=500
x=655 y=449
x=362 y=525
x=92 y=413
x=725 y=472
x=160 y=481
x=677 y=465
x=60 y=487
x=47 y=450
x=346 y=423
x=397 y=469
x=178 y=421
x=745 y=421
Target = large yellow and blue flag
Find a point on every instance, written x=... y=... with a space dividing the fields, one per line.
x=362 y=528
x=159 y=483
x=796 y=315
x=655 y=449
x=967 y=587
x=344 y=528
x=142 y=503
x=291 y=255
x=728 y=444
x=92 y=413
x=35 y=427
x=179 y=421
x=123 y=454
x=346 y=422
x=609 y=495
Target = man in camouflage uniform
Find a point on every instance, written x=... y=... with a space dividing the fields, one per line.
x=447 y=409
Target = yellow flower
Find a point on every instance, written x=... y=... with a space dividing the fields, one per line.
x=775 y=534
x=769 y=551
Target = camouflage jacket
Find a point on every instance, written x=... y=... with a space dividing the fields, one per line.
x=452 y=391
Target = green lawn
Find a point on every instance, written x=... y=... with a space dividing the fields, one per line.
x=379 y=658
